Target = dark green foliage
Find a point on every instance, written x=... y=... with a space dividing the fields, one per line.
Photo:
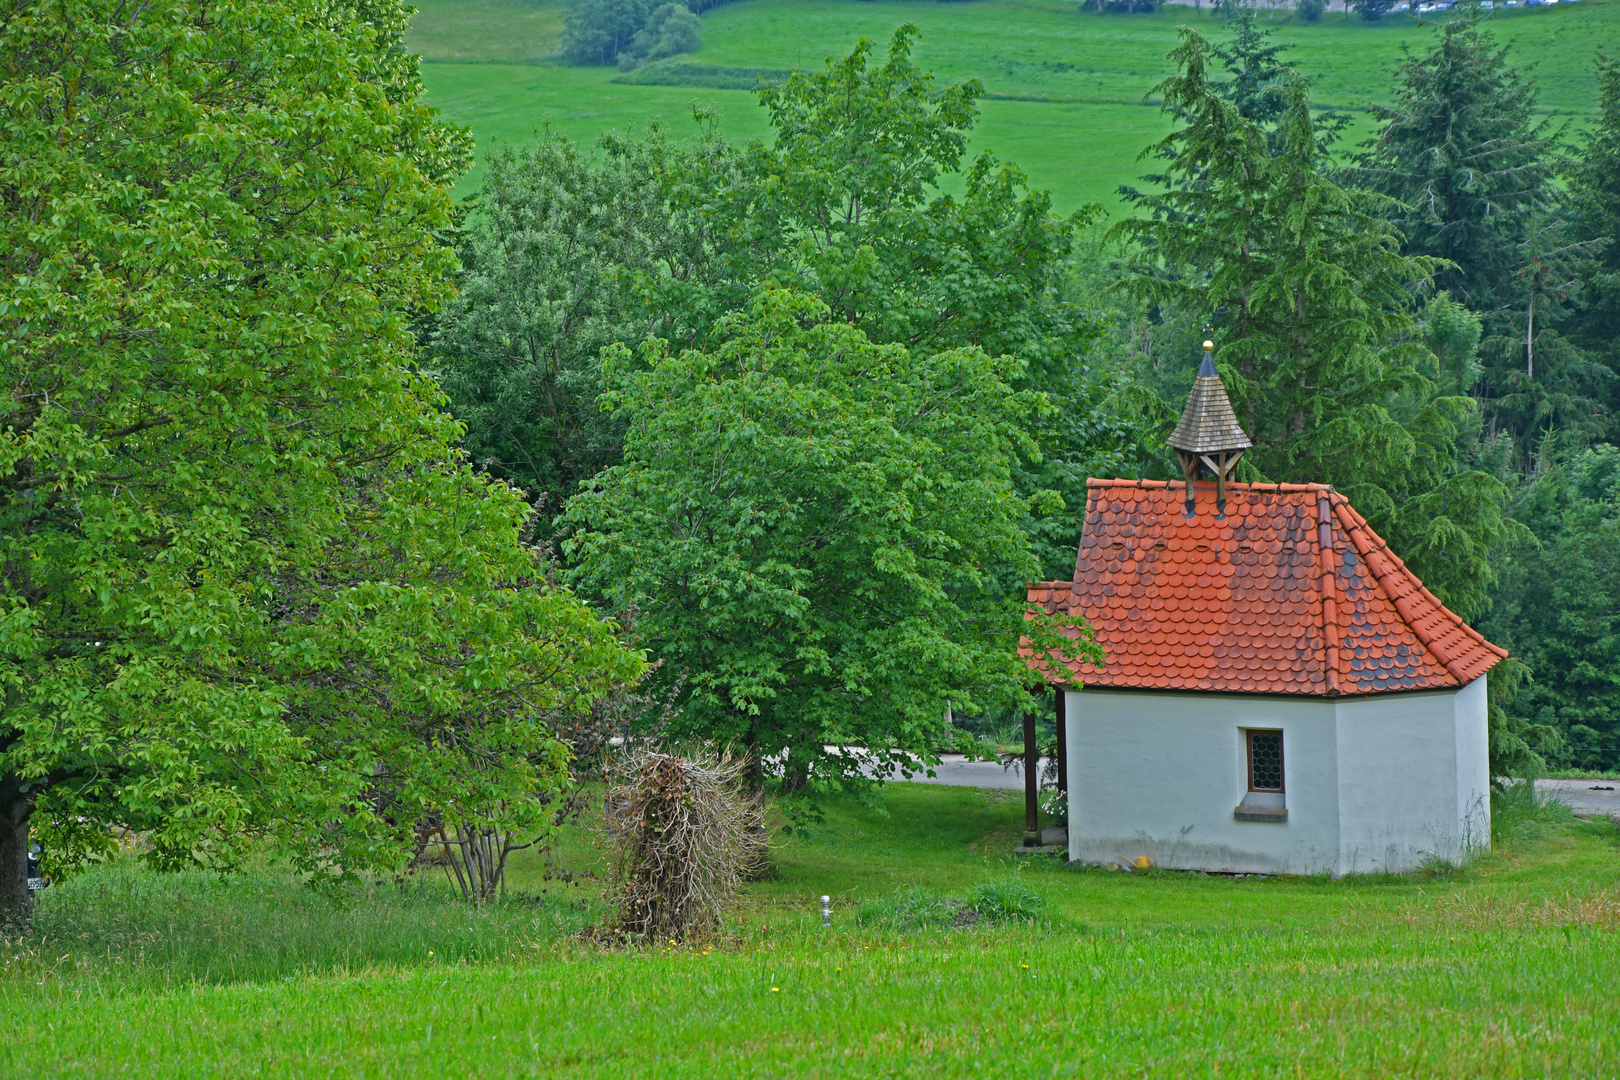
x=1558 y=607
x=1371 y=10
x=1257 y=76
x=909 y=909
x=1537 y=382
x=598 y=30
x=1309 y=10
x=1594 y=195
x=816 y=530
x=1461 y=151
x=1319 y=348
x=550 y=259
x=1006 y=899
x=1121 y=7
x=198 y=928
x=670 y=30
x=714 y=76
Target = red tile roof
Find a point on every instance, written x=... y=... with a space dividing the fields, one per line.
x=1291 y=593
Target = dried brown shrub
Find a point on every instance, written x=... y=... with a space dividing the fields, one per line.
x=684 y=829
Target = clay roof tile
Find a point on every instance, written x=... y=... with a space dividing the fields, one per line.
x=1293 y=593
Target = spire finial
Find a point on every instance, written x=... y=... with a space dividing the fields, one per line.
x=1209 y=436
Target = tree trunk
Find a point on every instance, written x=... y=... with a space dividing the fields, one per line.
x=16 y=902
x=1530 y=338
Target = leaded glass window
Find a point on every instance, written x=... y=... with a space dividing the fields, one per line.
x=1265 y=761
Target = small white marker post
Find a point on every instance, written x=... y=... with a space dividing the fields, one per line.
x=826 y=911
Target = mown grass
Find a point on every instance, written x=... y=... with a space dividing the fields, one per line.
x=1501 y=969
x=1066 y=90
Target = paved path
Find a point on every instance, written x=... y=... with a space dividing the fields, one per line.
x=1598 y=797
x=954 y=770
x=1585 y=797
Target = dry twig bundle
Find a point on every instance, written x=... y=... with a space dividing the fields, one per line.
x=685 y=829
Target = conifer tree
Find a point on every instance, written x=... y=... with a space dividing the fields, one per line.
x=1310 y=298
x=1594 y=193
x=1460 y=151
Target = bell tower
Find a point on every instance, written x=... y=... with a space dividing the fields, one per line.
x=1208 y=437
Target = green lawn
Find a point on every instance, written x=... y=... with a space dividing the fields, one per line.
x=1066 y=90
x=1504 y=969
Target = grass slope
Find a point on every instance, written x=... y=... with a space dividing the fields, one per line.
x=1499 y=970
x=1066 y=90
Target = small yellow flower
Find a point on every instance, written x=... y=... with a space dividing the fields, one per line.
x=1024 y=966
x=773 y=990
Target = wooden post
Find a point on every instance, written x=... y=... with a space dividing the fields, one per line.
x=1062 y=702
x=1189 y=470
x=1032 y=784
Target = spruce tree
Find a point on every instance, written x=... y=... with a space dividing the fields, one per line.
x=1460 y=151
x=1310 y=298
x=1594 y=195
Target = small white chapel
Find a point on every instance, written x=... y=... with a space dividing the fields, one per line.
x=1279 y=695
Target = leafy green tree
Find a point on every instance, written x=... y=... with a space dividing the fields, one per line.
x=819 y=533
x=546 y=260
x=650 y=237
x=598 y=30
x=1558 y=607
x=248 y=589
x=1319 y=347
x=851 y=181
x=670 y=30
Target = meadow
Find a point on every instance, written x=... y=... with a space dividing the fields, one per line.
x=1068 y=95
x=1504 y=968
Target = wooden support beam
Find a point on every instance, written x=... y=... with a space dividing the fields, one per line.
x=1062 y=702
x=1189 y=470
x=1032 y=784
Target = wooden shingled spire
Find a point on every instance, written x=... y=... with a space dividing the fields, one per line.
x=1209 y=435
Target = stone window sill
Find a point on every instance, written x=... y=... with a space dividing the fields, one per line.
x=1250 y=812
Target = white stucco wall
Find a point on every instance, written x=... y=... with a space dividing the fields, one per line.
x=1372 y=784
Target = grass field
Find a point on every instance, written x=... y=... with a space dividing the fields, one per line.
x=1066 y=91
x=1503 y=969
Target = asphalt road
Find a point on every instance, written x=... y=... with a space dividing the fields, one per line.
x=1585 y=797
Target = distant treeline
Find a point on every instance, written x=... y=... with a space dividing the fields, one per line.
x=712 y=76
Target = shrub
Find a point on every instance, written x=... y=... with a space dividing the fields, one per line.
x=686 y=833
x=1309 y=10
x=999 y=900
x=1006 y=899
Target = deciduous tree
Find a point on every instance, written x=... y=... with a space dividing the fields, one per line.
x=821 y=532
x=247 y=586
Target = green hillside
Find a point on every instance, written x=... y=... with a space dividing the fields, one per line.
x=1065 y=90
